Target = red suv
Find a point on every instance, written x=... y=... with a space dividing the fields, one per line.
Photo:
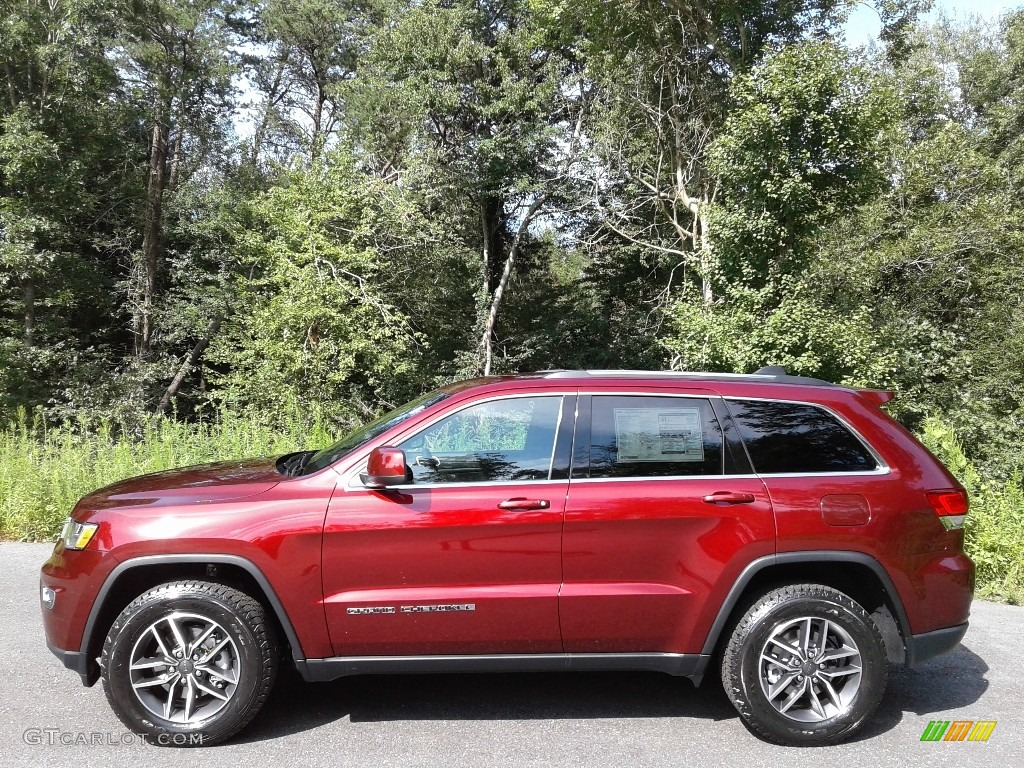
x=781 y=531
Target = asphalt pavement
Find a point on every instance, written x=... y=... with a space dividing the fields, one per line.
x=501 y=721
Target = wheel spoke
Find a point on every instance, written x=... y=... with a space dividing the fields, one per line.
x=783 y=683
x=169 y=702
x=161 y=680
x=823 y=639
x=805 y=636
x=841 y=672
x=202 y=638
x=789 y=649
x=178 y=637
x=159 y=641
x=794 y=697
x=211 y=691
x=831 y=693
x=209 y=655
x=150 y=664
x=815 y=701
x=218 y=673
x=783 y=665
x=190 y=699
x=840 y=653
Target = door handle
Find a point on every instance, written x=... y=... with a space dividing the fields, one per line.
x=729 y=497
x=525 y=504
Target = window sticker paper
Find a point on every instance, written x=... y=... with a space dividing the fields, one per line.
x=658 y=434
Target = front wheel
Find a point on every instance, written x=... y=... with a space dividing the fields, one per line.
x=805 y=666
x=189 y=663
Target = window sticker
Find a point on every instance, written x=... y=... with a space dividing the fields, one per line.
x=665 y=434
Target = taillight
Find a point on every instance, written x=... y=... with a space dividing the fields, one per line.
x=950 y=506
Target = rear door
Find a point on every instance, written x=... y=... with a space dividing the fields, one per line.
x=660 y=519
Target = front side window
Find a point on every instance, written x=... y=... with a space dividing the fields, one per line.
x=650 y=436
x=505 y=440
x=788 y=438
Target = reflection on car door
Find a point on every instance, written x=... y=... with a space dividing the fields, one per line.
x=653 y=524
x=465 y=559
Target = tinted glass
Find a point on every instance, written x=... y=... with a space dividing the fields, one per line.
x=648 y=436
x=794 y=437
x=499 y=440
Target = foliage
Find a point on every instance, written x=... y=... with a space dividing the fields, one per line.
x=45 y=469
x=995 y=522
x=319 y=332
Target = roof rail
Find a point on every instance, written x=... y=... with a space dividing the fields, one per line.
x=774 y=373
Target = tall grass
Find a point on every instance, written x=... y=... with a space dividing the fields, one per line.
x=44 y=470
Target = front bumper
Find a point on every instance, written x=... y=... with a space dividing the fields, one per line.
x=88 y=669
x=73 y=579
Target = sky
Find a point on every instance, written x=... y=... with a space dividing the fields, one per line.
x=864 y=24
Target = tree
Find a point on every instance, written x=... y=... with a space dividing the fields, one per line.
x=479 y=107
x=176 y=62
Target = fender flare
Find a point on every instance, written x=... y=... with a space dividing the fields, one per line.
x=172 y=559
x=808 y=556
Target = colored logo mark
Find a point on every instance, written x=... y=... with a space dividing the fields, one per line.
x=958 y=730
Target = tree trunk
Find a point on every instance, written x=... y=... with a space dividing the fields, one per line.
x=487 y=342
x=152 y=235
x=29 y=288
x=189 y=363
x=706 y=255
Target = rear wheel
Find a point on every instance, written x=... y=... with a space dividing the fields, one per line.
x=189 y=663
x=805 y=666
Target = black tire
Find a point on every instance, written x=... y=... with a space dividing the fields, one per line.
x=830 y=700
x=220 y=708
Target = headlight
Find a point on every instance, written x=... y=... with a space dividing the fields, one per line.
x=76 y=535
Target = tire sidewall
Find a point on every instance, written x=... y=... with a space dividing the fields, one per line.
x=873 y=670
x=127 y=630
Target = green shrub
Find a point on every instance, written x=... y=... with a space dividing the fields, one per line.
x=995 y=524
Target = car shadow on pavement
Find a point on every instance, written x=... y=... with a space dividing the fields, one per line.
x=297 y=706
x=948 y=682
x=951 y=681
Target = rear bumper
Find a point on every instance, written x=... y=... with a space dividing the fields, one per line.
x=929 y=644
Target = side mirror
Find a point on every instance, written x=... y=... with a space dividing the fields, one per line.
x=386 y=466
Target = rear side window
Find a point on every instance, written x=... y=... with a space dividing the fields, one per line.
x=650 y=436
x=787 y=438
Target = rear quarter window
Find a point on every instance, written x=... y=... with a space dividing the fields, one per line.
x=790 y=438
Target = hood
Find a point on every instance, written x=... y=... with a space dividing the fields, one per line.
x=203 y=483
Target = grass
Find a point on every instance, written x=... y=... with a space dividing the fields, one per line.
x=45 y=470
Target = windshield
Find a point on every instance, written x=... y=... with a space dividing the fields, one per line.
x=364 y=434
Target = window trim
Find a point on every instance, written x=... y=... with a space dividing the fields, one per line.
x=881 y=465
x=354 y=484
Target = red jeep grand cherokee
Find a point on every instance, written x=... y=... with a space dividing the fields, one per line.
x=781 y=531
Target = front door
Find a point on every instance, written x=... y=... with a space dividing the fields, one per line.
x=465 y=558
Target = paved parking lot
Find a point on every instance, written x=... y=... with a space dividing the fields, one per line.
x=502 y=721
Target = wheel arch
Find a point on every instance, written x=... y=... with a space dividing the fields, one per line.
x=132 y=577
x=857 y=574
